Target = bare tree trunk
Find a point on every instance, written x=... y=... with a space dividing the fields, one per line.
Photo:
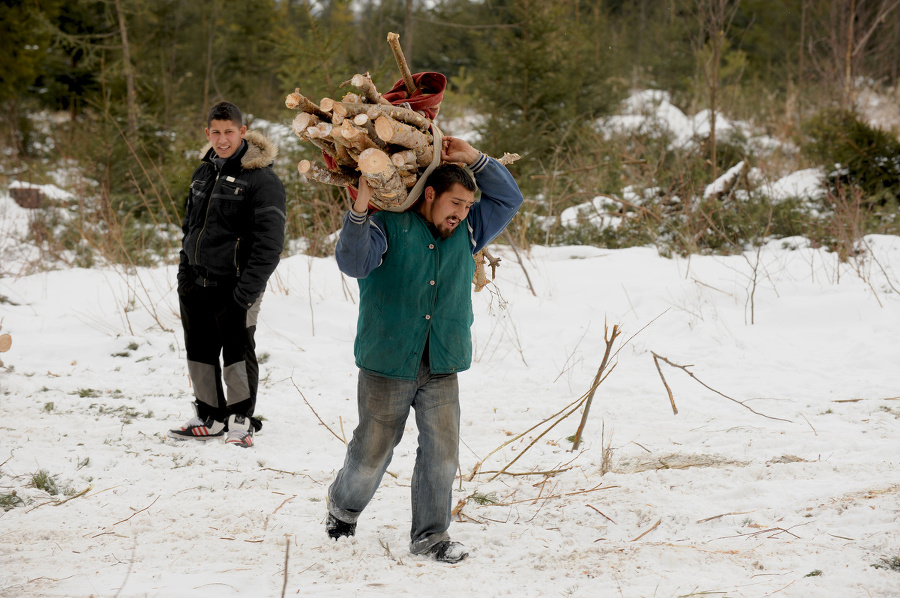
x=801 y=69
x=715 y=17
x=209 y=22
x=848 y=57
x=131 y=95
x=713 y=88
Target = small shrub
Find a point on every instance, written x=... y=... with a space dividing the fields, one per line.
x=892 y=563
x=482 y=499
x=42 y=480
x=10 y=500
x=863 y=156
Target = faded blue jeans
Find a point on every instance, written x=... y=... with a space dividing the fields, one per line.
x=384 y=405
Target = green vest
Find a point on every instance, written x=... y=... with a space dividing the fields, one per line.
x=421 y=291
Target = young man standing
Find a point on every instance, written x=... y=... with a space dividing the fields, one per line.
x=234 y=221
x=415 y=273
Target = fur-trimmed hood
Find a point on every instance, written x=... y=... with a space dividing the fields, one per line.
x=260 y=151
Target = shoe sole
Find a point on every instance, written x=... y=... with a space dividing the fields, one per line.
x=206 y=438
x=239 y=443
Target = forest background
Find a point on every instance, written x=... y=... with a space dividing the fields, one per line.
x=107 y=98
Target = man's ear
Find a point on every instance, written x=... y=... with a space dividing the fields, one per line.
x=429 y=193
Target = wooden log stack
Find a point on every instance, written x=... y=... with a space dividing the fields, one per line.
x=366 y=136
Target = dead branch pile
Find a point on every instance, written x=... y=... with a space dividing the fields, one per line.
x=366 y=136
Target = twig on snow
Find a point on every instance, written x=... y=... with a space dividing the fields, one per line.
x=601 y=512
x=314 y=412
x=666 y=384
x=609 y=339
x=655 y=525
x=723 y=515
x=743 y=404
x=287 y=550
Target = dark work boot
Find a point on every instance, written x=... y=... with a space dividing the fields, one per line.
x=339 y=529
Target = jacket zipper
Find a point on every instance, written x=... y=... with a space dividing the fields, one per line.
x=205 y=220
x=237 y=266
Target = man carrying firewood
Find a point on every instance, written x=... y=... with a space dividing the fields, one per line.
x=413 y=335
x=234 y=222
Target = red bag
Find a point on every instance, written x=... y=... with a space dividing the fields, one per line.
x=426 y=99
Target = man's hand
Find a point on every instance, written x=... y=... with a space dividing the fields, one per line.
x=363 y=195
x=454 y=149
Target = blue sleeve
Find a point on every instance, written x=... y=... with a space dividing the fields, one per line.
x=500 y=200
x=361 y=243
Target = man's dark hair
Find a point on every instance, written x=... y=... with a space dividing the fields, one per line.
x=446 y=175
x=225 y=111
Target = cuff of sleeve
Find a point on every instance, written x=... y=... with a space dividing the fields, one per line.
x=479 y=164
x=358 y=217
x=241 y=302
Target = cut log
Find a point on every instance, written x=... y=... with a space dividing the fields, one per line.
x=350 y=109
x=326 y=105
x=398 y=133
x=405 y=115
x=388 y=188
x=323 y=175
x=344 y=157
x=353 y=109
x=351 y=131
x=327 y=148
x=409 y=180
x=297 y=101
x=357 y=136
x=405 y=159
x=321 y=130
x=352 y=98
x=303 y=121
x=365 y=85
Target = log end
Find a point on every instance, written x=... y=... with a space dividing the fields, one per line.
x=384 y=128
x=374 y=161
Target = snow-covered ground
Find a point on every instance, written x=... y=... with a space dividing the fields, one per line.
x=787 y=486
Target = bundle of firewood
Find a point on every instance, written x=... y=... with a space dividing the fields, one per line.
x=365 y=135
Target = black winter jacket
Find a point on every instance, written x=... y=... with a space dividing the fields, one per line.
x=234 y=220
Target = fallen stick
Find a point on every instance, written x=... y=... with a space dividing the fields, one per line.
x=723 y=515
x=655 y=525
x=314 y=411
x=685 y=369
x=610 y=340
x=666 y=384
x=287 y=550
x=601 y=512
